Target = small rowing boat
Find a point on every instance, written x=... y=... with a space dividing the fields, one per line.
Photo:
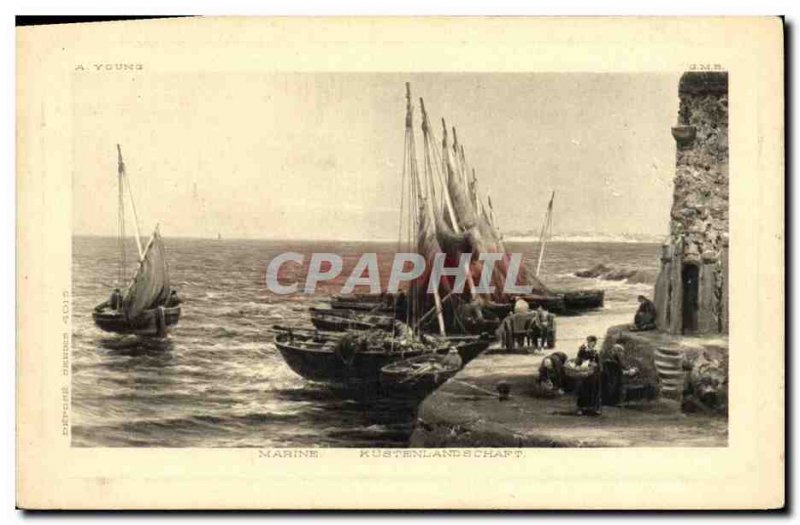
x=417 y=377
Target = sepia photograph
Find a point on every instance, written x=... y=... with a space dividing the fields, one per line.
x=309 y=263
x=603 y=198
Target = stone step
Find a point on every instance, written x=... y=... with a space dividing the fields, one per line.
x=668 y=357
x=672 y=352
x=669 y=368
x=667 y=365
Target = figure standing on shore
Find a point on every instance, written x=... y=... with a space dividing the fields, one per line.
x=614 y=373
x=589 y=391
x=540 y=328
x=645 y=318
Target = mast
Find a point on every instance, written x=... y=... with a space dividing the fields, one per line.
x=445 y=153
x=121 y=220
x=546 y=227
x=418 y=200
x=123 y=179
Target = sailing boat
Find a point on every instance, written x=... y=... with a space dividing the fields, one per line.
x=357 y=359
x=573 y=300
x=453 y=220
x=147 y=306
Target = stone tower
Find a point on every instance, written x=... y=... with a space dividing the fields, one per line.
x=691 y=292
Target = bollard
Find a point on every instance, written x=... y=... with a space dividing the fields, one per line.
x=504 y=389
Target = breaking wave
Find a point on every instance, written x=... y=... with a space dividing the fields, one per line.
x=619 y=273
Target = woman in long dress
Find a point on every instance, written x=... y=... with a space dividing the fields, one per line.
x=589 y=390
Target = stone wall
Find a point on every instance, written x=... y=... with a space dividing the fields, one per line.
x=699 y=215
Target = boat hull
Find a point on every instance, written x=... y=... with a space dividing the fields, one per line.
x=331 y=320
x=583 y=300
x=396 y=381
x=560 y=302
x=146 y=324
x=362 y=306
x=317 y=362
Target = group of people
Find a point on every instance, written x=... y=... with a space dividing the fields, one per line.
x=607 y=379
x=525 y=328
x=603 y=386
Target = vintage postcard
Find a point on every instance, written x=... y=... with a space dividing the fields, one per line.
x=397 y=263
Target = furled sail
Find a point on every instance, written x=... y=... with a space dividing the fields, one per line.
x=477 y=230
x=457 y=221
x=150 y=286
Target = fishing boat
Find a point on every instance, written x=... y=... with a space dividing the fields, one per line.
x=452 y=218
x=148 y=306
x=440 y=214
x=383 y=304
x=416 y=377
x=341 y=320
x=571 y=301
x=580 y=300
x=356 y=361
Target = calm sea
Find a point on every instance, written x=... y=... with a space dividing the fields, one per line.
x=218 y=380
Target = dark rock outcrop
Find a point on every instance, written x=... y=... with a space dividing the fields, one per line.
x=618 y=273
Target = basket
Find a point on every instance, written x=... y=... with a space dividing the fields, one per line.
x=575 y=372
x=543 y=391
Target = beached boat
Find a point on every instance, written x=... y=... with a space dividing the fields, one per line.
x=416 y=377
x=341 y=320
x=569 y=301
x=581 y=300
x=148 y=305
x=353 y=364
x=362 y=306
x=448 y=216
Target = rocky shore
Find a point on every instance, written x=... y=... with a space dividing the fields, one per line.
x=616 y=273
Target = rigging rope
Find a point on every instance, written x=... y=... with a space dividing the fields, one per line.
x=135 y=216
x=121 y=227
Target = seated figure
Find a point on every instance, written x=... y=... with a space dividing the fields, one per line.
x=173 y=299
x=645 y=318
x=114 y=302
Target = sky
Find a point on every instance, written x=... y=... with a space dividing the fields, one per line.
x=319 y=155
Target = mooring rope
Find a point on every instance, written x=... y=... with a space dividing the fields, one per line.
x=475 y=387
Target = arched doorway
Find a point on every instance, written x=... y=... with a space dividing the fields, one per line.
x=690 y=276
